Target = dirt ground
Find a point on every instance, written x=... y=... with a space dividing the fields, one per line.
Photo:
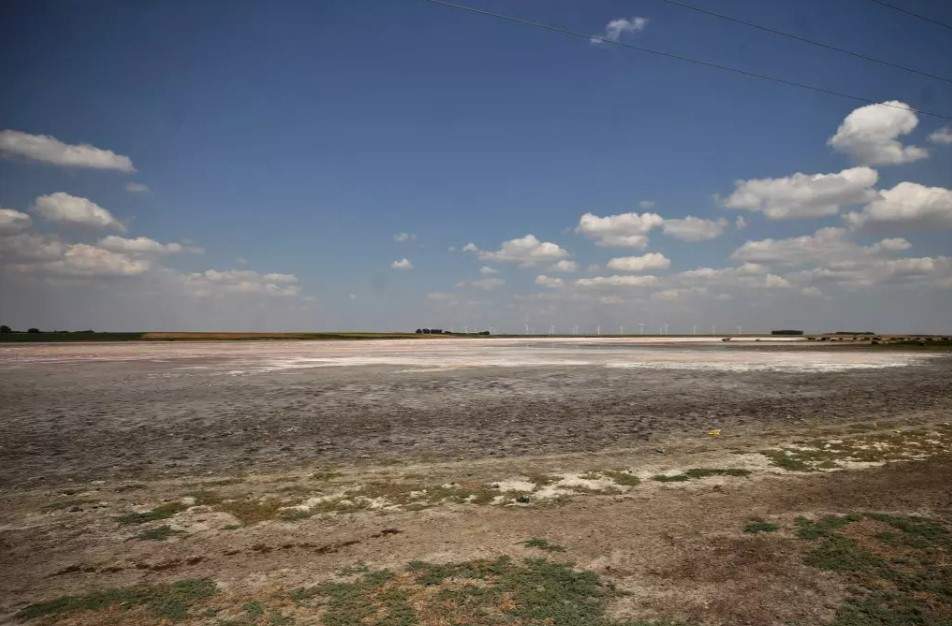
x=153 y=490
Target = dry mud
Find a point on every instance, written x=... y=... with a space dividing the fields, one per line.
x=140 y=410
x=270 y=470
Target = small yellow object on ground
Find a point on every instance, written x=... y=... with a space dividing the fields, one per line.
x=714 y=433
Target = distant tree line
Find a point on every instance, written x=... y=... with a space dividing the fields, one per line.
x=6 y=329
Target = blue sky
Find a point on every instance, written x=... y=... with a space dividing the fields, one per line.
x=297 y=138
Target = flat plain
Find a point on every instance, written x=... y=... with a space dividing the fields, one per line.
x=475 y=481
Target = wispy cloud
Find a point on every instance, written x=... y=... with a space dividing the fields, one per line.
x=47 y=149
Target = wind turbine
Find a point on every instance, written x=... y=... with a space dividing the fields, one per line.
x=598 y=331
x=642 y=325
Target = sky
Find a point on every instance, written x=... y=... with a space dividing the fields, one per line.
x=395 y=164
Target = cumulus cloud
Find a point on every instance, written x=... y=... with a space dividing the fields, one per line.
x=942 y=136
x=211 y=283
x=139 y=245
x=403 y=264
x=565 y=266
x=48 y=149
x=63 y=208
x=29 y=248
x=616 y=28
x=909 y=204
x=650 y=261
x=486 y=284
x=86 y=260
x=829 y=256
x=136 y=187
x=894 y=244
x=614 y=281
x=523 y=251
x=694 y=228
x=740 y=223
x=404 y=237
x=826 y=245
x=552 y=282
x=804 y=195
x=488 y=271
x=870 y=134
x=624 y=230
x=13 y=221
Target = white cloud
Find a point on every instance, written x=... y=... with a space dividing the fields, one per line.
x=63 y=208
x=486 y=284
x=133 y=187
x=909 y=204
x=942 y=136
x=616 y=28
x=488 y=271
x=85 y=260
x=212 y=283
x=565 y=266
x=139 y=245
x=30 y=247
x=404 y=237
x=650 y=261
x=51 y=150
x=828 y=256
x=625 y=230
x=740 y=223
x=12 y=221
x=694 y=228
x=827 y=245
x=615 y=281
x=45 y=255
x=403 y=264
x=524 y=251
x=804 y=195
x=552 y=282
x=870 y=134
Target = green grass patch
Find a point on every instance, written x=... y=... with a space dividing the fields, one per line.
x=756 y=526
x=170 y=601
x=622 y=477
x=483 y=592
x=158 y=534
x=697 y=473
x=542 y=544
x=896 y=577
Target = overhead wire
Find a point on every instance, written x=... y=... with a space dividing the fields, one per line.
x=679 y=57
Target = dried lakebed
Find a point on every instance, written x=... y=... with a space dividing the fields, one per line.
x=589 y=483
x=146 y=410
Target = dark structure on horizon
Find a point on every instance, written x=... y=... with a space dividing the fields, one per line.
x=786 y=332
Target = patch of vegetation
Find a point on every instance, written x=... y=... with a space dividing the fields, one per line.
x=170 y=601
x=542 y=544
x=163 y=511
x=696 y=473
x=252 y=510
x=158 y=534
x=622 y=477
x=755 y=526
x=483 y=592
x=879 y=447
x=897 y=577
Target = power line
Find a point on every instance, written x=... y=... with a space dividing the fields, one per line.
x=915 y=15
x=812 y=42
x=726 y=68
